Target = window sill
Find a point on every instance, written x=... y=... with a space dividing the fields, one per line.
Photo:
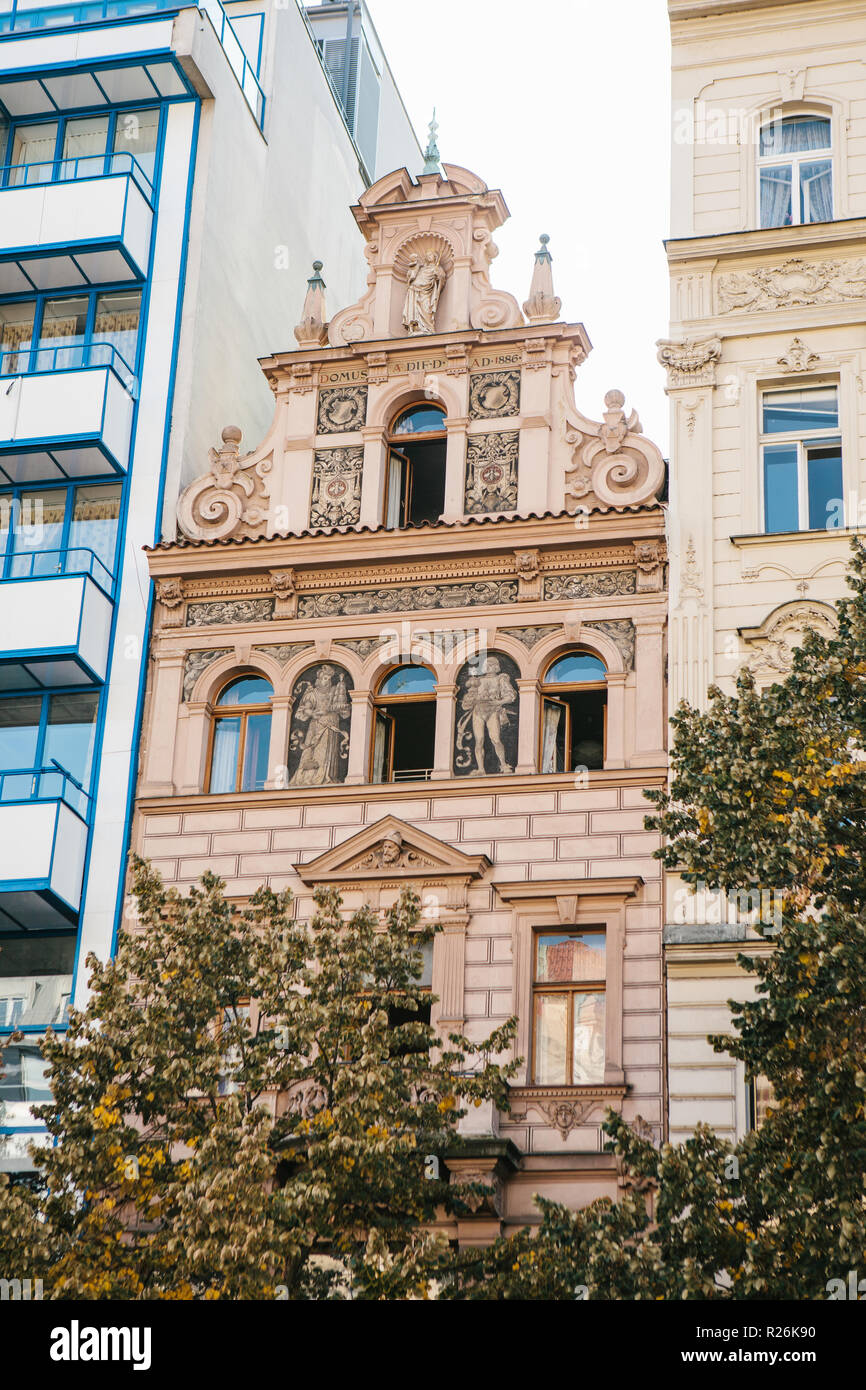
x=565 y=1107
x=768 y=537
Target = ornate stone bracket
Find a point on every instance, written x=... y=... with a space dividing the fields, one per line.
x=233 y=497
x=170 y=597
x=613 y=463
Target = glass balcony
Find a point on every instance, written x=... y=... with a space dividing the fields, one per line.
x=68 y=222
x=22 y=17
x=43 y=841
x=55 y=620
x=67 y=413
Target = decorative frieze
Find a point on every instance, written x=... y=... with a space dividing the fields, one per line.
x=799 y=357
x=407 y=599
x=791 y=285
x=195 y=663
x=341 y=409
x=491 y=472
x=593 y=584
x=233 y=610
x=493 y=394
x=336 y=496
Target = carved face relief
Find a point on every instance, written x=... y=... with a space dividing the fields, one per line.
x=341 y=408
x=319 y=734
x=485 y=736
x=493 y=394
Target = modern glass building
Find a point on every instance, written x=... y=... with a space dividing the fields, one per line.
x=168 y=174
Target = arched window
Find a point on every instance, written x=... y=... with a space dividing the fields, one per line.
x=404 y=726
x=795 y=171
x=573 y=703
x=241 y=735
x=415 y=490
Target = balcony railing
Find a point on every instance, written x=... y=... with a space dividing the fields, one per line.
x=20 y=17
x=51 y=783
x=45 y=564
x=90 y=166
x=26 y=361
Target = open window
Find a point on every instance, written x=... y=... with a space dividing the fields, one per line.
x=404 y=726
x=415 y=486
x=573 y=713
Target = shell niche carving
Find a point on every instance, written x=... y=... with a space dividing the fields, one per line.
x=418 y=245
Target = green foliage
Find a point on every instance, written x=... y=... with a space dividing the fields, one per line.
x=208 y=1149
x=767 y=793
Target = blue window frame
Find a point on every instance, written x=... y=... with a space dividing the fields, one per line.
x=83 y=145
x=58 y=331
x=60 y=530
x=42 y=737
x=802 y=460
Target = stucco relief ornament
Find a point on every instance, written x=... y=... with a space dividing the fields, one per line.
x=774 y=642
x=792 y=284
x=612 y=462
x=169 y=593
x=799 y=357
x=390 y=853
x=232 y=497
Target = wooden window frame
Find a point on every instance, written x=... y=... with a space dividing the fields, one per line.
x=396 y=444
x=237 y=711
x=381 y=704
x=548 y=691
x=569 y=988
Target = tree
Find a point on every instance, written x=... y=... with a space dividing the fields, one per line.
x=766 y=797
x=246 y=1104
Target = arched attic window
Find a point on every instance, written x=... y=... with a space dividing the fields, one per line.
x=415 y=490
x=573 y=713
x=240 y=735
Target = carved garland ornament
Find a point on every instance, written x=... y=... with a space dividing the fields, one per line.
x=793 y=283
x=613 y=463
x=407 y=599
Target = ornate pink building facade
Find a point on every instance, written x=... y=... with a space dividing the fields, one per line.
x=417 y=636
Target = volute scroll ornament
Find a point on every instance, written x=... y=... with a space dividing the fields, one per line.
x=233 y=498
x=613 y=463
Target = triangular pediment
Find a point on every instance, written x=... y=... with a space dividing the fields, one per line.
x=392 y=849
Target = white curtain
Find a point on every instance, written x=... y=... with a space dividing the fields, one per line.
x=552 y=718
x=776 y=197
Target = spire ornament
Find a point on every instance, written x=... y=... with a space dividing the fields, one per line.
x=312 y=331
x=431 y=154
x=542 y=306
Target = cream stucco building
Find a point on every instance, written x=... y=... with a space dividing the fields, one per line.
x=765 y=356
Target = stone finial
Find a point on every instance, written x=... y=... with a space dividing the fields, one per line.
x=312 y=331
x=542 y=306
x=431 y=154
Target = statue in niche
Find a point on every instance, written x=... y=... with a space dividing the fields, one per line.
x=425 y=280
x=319 y=740
x=486 y=737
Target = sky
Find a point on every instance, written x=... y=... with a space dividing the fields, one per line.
x=564 y=106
